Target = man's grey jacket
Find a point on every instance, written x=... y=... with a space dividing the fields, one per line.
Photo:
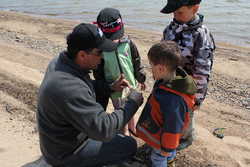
x=67 y=107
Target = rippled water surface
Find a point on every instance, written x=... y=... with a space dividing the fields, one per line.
x=229 y=20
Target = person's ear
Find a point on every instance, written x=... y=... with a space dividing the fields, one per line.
x=81 y=54
x=196 y=8
x=80 y=57
x=161 y=68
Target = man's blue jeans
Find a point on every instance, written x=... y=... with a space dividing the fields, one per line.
x=97 y=154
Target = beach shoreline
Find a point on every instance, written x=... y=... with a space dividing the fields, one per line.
x=27 y=45
x=219 y=42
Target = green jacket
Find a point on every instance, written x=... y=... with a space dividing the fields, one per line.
x=130 y=61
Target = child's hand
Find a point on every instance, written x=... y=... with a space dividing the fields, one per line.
x=196 y=107
x=143 y=86
x=166 y=154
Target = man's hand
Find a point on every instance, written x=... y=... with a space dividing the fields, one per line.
x=120 y=84
x=136 y=96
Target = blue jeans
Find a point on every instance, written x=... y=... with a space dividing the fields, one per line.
x=159 y=160
x=97 y=153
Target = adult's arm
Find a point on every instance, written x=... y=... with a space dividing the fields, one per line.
x=88 y=116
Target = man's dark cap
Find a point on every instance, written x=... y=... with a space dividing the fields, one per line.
x=173 y=5
x=110 y=22
x=88 y=36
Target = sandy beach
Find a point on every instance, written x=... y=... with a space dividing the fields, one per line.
x=28 y=43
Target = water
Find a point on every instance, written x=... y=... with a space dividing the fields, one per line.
x=229 y=20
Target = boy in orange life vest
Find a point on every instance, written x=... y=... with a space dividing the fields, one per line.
x=166 y=113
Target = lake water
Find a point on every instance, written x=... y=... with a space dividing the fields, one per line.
x=228 y=20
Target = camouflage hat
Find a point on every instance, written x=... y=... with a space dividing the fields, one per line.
x=173 y=5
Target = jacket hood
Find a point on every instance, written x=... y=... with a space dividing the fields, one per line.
x=183 y=83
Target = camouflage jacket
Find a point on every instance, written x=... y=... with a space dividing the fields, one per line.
x=197 y=46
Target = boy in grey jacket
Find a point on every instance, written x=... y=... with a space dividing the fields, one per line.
x=196 y=44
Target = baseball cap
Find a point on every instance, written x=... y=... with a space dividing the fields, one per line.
x=87 y=36
x=109 y=20
x=173 y=5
